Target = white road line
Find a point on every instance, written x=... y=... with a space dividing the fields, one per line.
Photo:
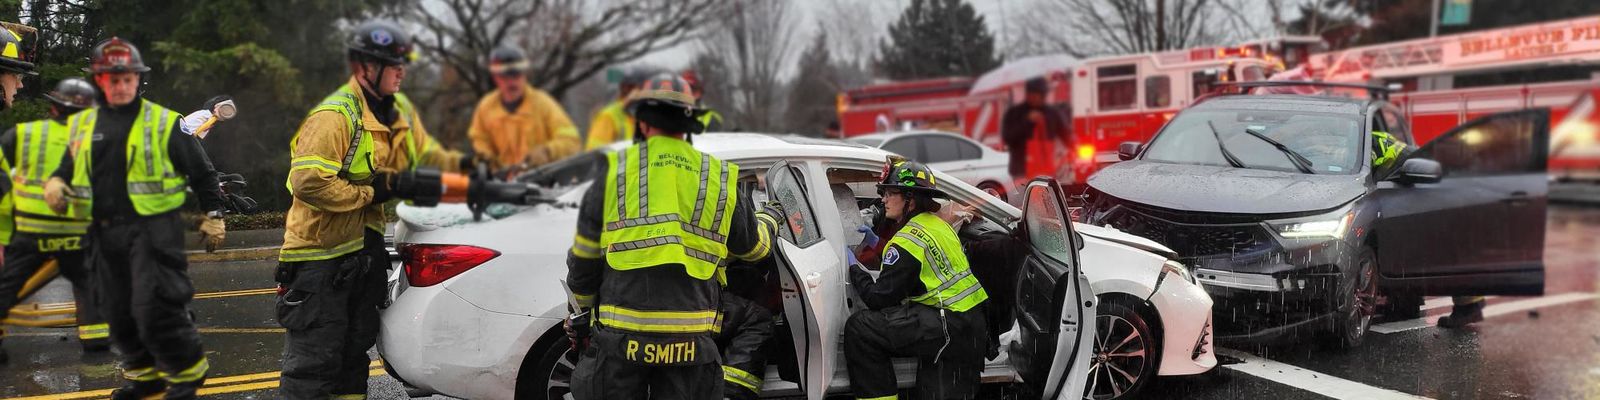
x=1491 y=311
x=1311 y=381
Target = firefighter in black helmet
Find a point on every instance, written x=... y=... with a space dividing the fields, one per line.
x=648 y=272
x=136 y=234
x=345 y=159
x=925 y=302
x=35 y=234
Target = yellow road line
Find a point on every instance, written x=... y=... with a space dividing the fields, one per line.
x=202 y=330
x=217 y=385
x=211 y=295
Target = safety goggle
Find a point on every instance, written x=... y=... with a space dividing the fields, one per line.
x=509 y=70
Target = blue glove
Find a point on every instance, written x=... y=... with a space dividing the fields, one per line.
x=868 y=238
x=850 y=257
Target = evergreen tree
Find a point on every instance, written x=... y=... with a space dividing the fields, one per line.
x=936 y=38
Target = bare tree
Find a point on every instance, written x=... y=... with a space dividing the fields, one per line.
x=854 y=27
x=753 y=45
x=567 y=40
x=1084 y=28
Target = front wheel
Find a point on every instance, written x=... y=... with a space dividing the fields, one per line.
x=1358 y=303
x=549 y=377
x=1126 y=351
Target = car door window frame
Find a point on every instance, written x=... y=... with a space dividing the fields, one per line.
x=809 y=216
x=1534 y=164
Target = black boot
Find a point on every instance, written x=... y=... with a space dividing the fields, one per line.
x=136 y=390
x=184 y=391
x=3 y=356
x=95 y=345
x=1463 y=314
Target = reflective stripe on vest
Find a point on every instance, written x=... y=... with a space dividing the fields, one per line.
x=708 y=321
x=356 y=166
x=154 y=185
x=648 y=220
x=39 y=149
x=945 y=271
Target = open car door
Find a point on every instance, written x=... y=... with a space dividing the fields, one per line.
x=812 y=279
x=1054 y=303
x=1480 y=228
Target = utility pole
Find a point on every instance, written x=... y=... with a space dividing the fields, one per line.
x=1433 y=28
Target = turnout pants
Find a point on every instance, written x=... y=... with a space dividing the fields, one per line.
x=143 y=288
x=606 y=372
x=950 y=350
x=330 y=309
x=746 y=328
x=27 y=253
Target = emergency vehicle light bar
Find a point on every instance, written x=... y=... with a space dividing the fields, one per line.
x=1377 y=92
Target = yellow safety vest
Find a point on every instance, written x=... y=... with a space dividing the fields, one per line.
x=945 y=271
x=656 y=215
x=357 y=166
x=41 y=145
x=154 y=186
x=707 y=118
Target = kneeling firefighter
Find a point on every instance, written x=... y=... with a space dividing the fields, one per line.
x=924 y=303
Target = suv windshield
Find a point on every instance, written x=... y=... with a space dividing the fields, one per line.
x=1332 y=142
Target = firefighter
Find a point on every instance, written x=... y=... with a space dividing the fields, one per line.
x=129 y=164
x=612 y=123
x=517 y=125
x=1386 y=151
x=346 y=158
x=35 y=149
x=646 y=265
x=710 y=119
x=924 y=303
x=1031 y=130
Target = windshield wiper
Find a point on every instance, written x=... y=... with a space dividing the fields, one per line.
x=1300 y=162
x=1226 y=155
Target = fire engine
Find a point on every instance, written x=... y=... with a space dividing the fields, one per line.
x=1447 y=80
x=1109 y=99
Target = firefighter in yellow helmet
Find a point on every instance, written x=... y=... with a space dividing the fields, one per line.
x=130 y=167
x=346 y=160
x=654 y=233
x=924 y=303
x=32 y=150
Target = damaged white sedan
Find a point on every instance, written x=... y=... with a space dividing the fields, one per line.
x=476 y=307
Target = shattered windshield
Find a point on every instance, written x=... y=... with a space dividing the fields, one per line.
x=1332 y=142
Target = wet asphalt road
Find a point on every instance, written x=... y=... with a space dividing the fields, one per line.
x=1536 y=348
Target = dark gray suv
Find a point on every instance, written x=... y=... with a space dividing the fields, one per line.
x=1276 y=204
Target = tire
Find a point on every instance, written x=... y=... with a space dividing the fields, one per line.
x=548 y=377
x=1121 y=330
x=995 y=189
x=1358 y=303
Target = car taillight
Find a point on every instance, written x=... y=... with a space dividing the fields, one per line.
x=428 y=264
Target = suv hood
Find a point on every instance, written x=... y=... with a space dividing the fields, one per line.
x=1211 y=189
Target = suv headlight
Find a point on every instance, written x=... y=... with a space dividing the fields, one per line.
x=1329 y=228
x=1176 y=268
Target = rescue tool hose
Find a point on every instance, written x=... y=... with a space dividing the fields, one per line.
x=428 y=187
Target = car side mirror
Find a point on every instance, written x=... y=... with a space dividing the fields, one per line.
x=1128 y=150
x=1078 y=239
x=1419 y=170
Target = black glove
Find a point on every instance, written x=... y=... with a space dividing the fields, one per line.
x=578 y=330
x=381 y=190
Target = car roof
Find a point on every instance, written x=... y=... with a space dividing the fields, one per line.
x=1288 y=102
x=892 y=135
x=746 y=146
